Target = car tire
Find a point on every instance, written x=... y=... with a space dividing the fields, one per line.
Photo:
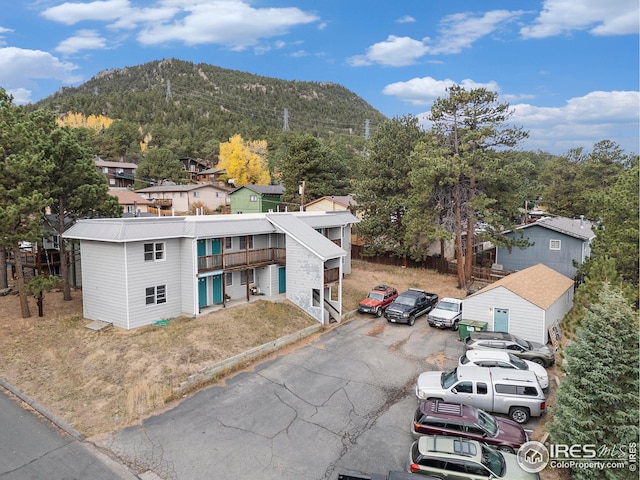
x=412 y=320
x=379 y=312
x=454 y=327
x=519 y=415
x=504 y=448
x=539 y=361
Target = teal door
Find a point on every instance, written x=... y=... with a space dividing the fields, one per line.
x=216 y=288
x=202 y=292
x=282 y=280
x=202 y=248
x=500 y=320
x=216 y=250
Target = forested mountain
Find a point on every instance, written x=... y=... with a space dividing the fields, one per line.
x=198 y=105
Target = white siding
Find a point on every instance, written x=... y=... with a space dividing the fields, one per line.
x=557 y=311
x=143 y=274
x=189 y=276
x=305 y=272
x=525 y=319
x=104 y=295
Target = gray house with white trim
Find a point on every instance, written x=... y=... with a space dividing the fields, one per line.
x=558 y=242
x=525 y=303
x=136 y=271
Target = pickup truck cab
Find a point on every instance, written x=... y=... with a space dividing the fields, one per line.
x=410 y=305
x=379 y=298
x=516 y=393
x=447 y=314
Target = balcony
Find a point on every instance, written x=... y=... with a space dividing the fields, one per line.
x=331 y=275
x=242 y=260
x=162 y=202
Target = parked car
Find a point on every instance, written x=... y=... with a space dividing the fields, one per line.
x=516 y=393
x=521 y=348
x=461 y=459
x=379 y=298
x=447 y=314
x=503 y=359
x=460 y=420
x=410 y=305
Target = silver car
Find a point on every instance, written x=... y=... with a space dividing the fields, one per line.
x=521 y=348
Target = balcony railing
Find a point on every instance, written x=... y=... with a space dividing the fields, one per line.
x=243 y=259
x=331 y=275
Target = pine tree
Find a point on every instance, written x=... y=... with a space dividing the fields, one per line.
x=597 y=402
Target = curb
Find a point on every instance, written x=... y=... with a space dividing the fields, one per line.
x=52 y=417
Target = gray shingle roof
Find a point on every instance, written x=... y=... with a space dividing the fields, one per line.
x=578 y=228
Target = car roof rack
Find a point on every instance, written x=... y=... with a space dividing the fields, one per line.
x=448 y=408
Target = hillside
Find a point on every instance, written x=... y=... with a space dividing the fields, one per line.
x=204 y=102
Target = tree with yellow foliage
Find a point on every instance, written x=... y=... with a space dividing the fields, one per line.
x=245 y=162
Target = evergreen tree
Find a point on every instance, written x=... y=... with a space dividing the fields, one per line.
x=383 y=184
x=157 y=166
x=597 y=402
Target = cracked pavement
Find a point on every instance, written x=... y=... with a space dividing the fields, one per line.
x=341 y=404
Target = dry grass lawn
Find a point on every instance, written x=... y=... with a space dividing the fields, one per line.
x=101 y=381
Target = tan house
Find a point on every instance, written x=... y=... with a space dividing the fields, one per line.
x=186 y=199
x=131 y=202
x=332 y=203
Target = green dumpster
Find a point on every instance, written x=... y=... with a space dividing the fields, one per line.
x=468 y=326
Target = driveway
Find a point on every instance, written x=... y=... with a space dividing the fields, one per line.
x=341 y=404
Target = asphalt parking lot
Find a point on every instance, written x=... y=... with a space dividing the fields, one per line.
x=342 y=404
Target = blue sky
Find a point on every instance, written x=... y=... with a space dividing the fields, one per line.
x=568 y=68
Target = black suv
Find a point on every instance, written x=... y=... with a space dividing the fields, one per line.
x=410 y=305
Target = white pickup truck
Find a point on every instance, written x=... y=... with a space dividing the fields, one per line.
x=447 y=314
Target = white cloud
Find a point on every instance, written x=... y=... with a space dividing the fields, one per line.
x=82 y=40
x=406 y=19
x=71 y=13
x=613 y=17
x=394 y=52
x=20 y=96
x=457 y=32
x=232 y=23
x=423 y=91
x=18 y=65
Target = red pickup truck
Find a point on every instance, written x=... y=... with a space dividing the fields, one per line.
x=378 y=300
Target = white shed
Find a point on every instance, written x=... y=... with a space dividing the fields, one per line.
x=525 y=303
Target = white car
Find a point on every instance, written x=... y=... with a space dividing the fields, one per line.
x=491 y=358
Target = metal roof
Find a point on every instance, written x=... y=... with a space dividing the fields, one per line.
x=300 y=231
x=577 y=228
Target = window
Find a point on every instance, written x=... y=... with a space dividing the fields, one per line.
x=481 y=387
x=105 y=169
x=156 y=295
x=464 y=387
x=196 y=194
x=554 y=244
x=510 y=389
x=153 y=252
x=253 y=198
x=243 y=242
x=243 y=276
x=228 y=278
x=227 y=243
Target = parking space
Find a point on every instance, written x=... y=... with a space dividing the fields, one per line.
x=343 y=403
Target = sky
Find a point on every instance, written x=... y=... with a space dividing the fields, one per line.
x=569 y=69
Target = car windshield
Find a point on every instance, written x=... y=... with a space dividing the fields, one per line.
x=408 y=301
x=518 y=362
x=448 y=378
x=493 y=460
x=488 y=422
x=523 y=343
x=451 y=307
x=375 y=296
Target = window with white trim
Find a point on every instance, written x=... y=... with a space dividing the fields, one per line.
x=554 y=244
x=243 y=276
x=153 y=252
x=228 y=243
x=253 y=198
x=243 y=242
x=228 y=278
x=196 y=194
x=156 y=295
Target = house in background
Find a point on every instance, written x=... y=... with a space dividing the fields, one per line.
x=184 y=199
x=136 y=271
x=193 y=167
x=119 y=174
x=558 y=242
x=525 y=303
x=131 y=202
x=331 y=203
x=256 y=199
x=210 y=175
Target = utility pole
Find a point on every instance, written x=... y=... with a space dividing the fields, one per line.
x=285 y=126
x=301 y=192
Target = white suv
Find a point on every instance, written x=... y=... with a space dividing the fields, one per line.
x=502 y=359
